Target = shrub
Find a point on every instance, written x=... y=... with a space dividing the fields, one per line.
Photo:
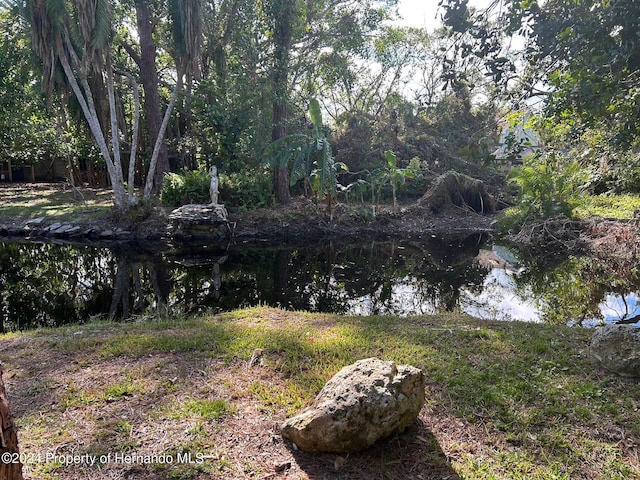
x=242 y=191
x=549 y=186
x=245 y=191
x=188 y=186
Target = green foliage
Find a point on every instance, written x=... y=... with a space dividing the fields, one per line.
x=242 y=190
x=246 y=190
x=33 y=137
x=609 y=206
x=188 y=186
x=548 y=185
x=616 y=172
x=586 y=51
x=217 y=133
x=396 y=175
x=309 y=157
x=461 y=126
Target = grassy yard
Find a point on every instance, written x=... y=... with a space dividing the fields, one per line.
x=53 y=201
x=504 y=400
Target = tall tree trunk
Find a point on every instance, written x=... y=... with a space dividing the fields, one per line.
x=149 y=76
x=281 y=174
x=87 y=105
x=282 y=18
x=12 y=469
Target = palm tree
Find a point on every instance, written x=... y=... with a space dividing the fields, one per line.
x=76 y=36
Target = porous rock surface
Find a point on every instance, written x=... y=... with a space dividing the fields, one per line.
x=362 y=403
x=616 y=348
x=196 y=222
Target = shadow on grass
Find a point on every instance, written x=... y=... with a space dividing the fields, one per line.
x=525 y=397
x=412 y=454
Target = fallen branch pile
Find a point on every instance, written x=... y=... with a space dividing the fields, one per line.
x=615 y=241
x=553 y=236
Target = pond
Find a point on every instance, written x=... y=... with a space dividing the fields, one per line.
x=45 y=284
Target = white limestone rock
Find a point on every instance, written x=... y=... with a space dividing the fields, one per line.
x=616 y=348
x=361 y=404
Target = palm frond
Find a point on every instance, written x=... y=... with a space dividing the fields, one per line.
x=177 y=17
x=283 y=143
x=103 y=24
x=93 y=28
x=48 y=20
x=309 y=156
x=316 y=117
x=85 y=13
x=302 y=164
x=284 y=149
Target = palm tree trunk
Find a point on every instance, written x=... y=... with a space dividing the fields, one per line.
x=88 y=108
x=134 y=133
x=153 y=166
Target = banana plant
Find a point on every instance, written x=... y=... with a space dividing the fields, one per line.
x=396 y=176
x=309 y=157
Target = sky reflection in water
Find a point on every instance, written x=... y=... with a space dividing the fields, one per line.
x=47 y=285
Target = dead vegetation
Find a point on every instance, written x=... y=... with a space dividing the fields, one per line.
x=614 y=241
x=553 y=236
x=455 y=190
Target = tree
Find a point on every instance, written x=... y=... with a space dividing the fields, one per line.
x=309 y=158
x=11 y=470
x=363 y=79
x=281 y=14
x=300 y=32
x=34 y=137
x=77 y=37
x=146 y=62
x=581 y=56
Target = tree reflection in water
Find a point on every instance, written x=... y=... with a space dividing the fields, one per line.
x=581 y=290
x=47 y=284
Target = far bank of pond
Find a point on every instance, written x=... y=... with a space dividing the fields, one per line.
x=52 y=284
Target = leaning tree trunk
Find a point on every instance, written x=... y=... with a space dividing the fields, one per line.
x=10 y=467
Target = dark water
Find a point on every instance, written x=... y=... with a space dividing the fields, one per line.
x=49 y=284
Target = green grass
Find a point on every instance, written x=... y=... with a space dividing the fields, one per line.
x=120 y=390
x=522 y=400
x=609 y=206
x=204 y=409
x=54 y=203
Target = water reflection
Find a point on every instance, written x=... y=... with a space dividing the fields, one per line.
x=47 y=284
x=581 y=290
